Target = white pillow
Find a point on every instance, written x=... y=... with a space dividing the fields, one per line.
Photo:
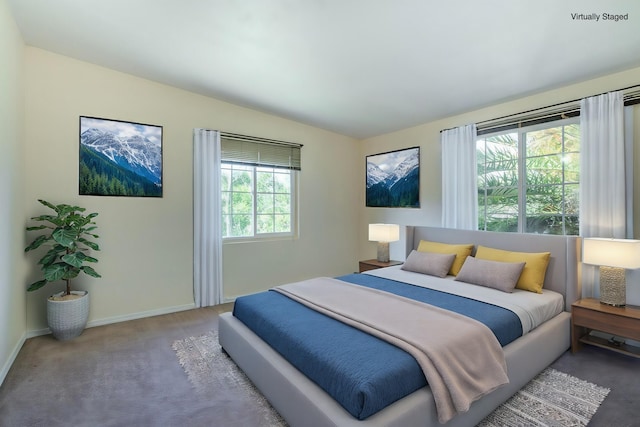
x=429 y=263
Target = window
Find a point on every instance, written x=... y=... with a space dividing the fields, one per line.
x=256 y=201
x=528 y=180
x=258 y=187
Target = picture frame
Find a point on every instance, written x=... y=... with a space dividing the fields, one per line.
x=119 y=158
x=393 y=179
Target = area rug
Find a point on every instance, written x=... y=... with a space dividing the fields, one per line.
x=209 y=369
x=551 y=399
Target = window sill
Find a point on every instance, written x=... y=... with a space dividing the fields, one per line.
x=254 y=239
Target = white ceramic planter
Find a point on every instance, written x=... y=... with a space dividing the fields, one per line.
x=67 y=319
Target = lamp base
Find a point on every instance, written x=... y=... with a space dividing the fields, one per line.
x=383 y=252
x=613 y=288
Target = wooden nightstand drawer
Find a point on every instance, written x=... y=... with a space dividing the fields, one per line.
x=588 y=314
x=607 y=322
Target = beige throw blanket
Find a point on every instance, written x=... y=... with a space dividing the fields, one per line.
x=461 y=358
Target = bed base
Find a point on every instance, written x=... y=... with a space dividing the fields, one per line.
x=302 y=403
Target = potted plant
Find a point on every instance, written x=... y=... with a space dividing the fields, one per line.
x=67 y=233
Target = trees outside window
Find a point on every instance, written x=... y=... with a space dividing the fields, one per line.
x=529 y=179
x=256 y=201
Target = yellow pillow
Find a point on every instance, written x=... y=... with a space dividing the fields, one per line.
x=535 y=268
x=461 y=251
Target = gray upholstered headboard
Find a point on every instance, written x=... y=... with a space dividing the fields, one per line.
x=563 y=272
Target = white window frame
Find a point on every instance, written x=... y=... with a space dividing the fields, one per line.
x=522 y=160
x=293 y=213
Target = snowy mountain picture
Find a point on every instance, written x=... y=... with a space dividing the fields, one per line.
x=393 y=179
x=120 y=158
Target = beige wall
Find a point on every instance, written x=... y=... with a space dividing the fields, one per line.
x=146 y=258
x=328 y=224
x=12 y=302
x=427 y=137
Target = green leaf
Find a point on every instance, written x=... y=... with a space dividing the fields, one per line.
x=36 y=285
x=49 y=205
x=75 y=259
x=90 y=271
x=89 y=243
x=37 y=227
x=77 y=221
x=68 y=210
x=65 y=237
x=55 y=220
x=37 y=243
x=56 y=271
x=51 y=256
x=90 y=259
x=71 y=273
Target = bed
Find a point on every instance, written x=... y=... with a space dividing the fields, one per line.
x=303 y=403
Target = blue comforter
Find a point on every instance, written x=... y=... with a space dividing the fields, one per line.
x=358 y=370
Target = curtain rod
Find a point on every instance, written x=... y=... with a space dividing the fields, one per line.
x=631 y=98
x=634 y=94
x=258 y=140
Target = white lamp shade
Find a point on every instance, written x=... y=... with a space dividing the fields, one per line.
x=384 y=232
x=621 y=253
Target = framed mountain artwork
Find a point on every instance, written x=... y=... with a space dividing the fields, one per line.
x=393 y=179
x=120 y=158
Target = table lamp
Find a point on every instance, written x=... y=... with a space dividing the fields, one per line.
x=613 y=256
x=383 y=234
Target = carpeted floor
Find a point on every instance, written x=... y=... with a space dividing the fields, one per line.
x=127 y=374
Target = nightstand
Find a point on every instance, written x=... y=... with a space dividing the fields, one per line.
x=589 y=314
x=372 y=264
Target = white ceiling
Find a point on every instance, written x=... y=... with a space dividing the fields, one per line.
x=357 y=67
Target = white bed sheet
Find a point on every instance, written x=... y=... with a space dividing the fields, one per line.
x=532 y=309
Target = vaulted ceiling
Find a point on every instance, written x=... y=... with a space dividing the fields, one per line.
x=357 y=67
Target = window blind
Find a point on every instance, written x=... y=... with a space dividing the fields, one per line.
x=254 y=151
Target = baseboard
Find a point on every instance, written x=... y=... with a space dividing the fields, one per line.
x=233 y=298
x=12 y=358
x=124 y=318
